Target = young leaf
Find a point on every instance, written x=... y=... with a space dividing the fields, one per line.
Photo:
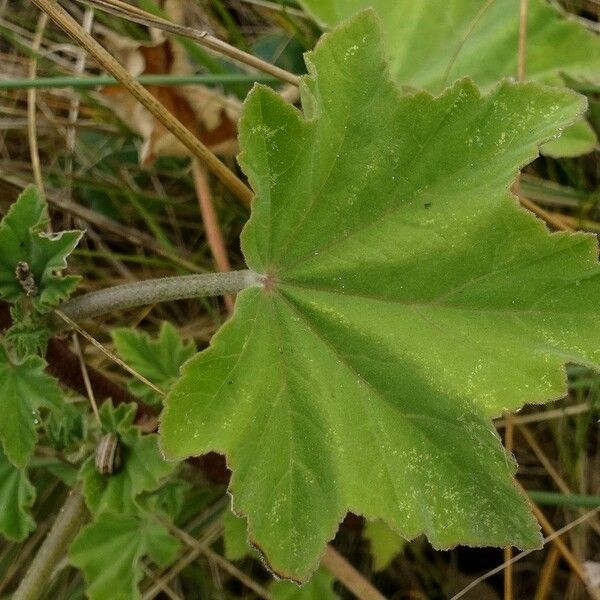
x=406 y=299
x=158 y=360
x=24 y=388
x=109 y=551
x=143 y=467
x=385 y=543
x=17 y=496
x=432 y=45
x=30 y=259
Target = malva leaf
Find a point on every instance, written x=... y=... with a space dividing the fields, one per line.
x=385 y=543
x=17 y=496
x=109 y=551
x=143 y=467
x=24 y=389
x=42 y=256
x=406 y=300
x=320 y=586
x=431 y=44
x=158 y=360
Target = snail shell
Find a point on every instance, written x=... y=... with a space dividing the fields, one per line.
x=108 y=454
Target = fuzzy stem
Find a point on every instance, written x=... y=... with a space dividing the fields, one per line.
x=166 y=289
x=66 y=526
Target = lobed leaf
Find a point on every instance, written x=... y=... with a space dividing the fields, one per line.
x=17 y=496
x=24 y=389
x=406 y=299
x=158 y=360
x=432 y=44
x=109 y=551
x=43 y=255
x=143 y=467
x=320 y=586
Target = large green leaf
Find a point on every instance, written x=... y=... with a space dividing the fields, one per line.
x=433 y=43
x=158 y=360
x=320 y=586
x=143 y=468
x=109 y=550
x=406 y=299
x=17 y=496
x=42 y=255
x=24 y=388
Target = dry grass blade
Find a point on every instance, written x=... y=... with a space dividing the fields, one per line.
x=212 y=228
x=547 y=575
x=220 y=561
x=64 y=20
x=569 y=557
x=555 y=535
x=107 y=352
x=122 y=9
x=348 y=576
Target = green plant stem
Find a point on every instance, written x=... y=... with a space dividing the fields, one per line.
x=558 y=499
x=166 y=289
x=163 y=80
x=66 y=526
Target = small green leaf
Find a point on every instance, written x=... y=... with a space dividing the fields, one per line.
x=17 y=496
x=434 y=44
x=143 y=467
x=158 y=360
x=24 y=388
x=67 y=431
x=109 y=551
x=320 y=587
x=168 y=500
x=385 y=543
x=28 y=333
x=31 y=260
x=406 y=299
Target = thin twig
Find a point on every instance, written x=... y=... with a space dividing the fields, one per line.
x=65 y=527
x=192 y=542
x=107 y=353
x=348 y=576
x=569 y=557
x=212 y=228
x=522 y=55
x=525 y=553
x=86 y=378
x=32 y=107
x=508 y=552
x=547 y=415
x=64 y=20
x=204 y=38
